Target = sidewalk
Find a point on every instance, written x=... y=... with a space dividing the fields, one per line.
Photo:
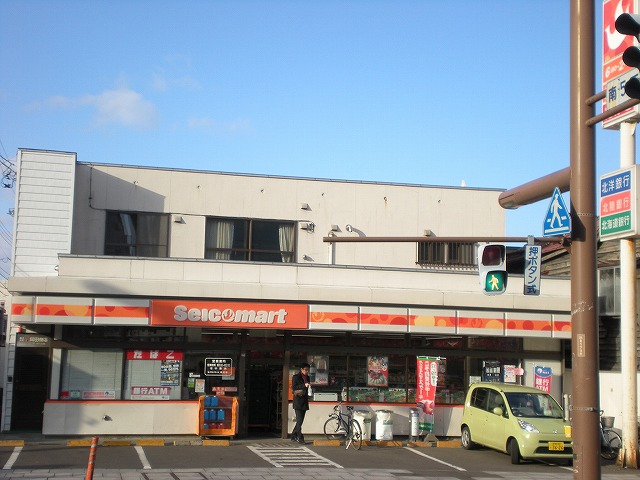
x=36 y=438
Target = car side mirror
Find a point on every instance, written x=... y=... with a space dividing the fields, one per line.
x=498 y=411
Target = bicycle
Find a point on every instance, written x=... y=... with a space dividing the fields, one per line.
x=342 y=426
x=610 y=441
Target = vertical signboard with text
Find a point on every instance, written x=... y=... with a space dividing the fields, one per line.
x=618 y=204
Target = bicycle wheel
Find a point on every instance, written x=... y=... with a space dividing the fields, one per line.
x=611 y=445
x=354 y=438
x=334 y=429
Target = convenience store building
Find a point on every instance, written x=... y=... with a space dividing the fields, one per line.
x=136 y=290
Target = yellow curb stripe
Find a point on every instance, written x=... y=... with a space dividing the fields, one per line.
x=151 y=442
x=215 y=443
x=449 y=444
x=12 y=443
x=78 y=443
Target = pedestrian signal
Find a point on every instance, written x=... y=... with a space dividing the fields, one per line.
x=492 y=265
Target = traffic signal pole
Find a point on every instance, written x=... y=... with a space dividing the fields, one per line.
x=584 y=321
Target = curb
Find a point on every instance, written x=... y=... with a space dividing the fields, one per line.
x=222 y=442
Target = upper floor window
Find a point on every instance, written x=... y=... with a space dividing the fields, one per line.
x=136 y=234
x=250 y=240
x=460 y=254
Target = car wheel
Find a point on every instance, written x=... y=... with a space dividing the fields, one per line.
x=466 y=441
x=514 y=451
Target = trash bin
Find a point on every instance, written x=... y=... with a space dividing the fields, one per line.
x=384 y=425
x=364 y=420
x=414 y=422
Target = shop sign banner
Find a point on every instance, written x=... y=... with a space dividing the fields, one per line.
x=99 y=395
x=187 y=313
x=377 y=371
x=542 y=378
x=426 y=382
x=150 y=393
x=218 y=367
x=153 y=355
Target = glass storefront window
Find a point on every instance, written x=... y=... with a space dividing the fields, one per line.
x=91 y=375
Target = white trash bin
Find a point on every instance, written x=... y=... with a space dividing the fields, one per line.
x=384 y=425
x=364 y=420
x=414 y=422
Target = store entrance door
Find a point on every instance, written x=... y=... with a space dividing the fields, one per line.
x=264 y=394
x=30 y=382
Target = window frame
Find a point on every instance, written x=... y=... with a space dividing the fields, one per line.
x=245 y=248
x=161 y=245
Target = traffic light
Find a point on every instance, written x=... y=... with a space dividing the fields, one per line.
x=629 y=24
x=492 y=265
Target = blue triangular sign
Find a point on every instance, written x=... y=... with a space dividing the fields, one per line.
x=558 y=219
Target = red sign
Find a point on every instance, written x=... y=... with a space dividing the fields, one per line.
x=153 y=355
x=427 y=380
x=619 y=202
x=614 y=43
x=188 y=313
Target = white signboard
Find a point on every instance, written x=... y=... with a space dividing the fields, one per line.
x=532 y=275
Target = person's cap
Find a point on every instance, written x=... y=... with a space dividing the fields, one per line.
x=305 y=365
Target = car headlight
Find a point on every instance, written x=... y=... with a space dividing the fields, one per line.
x=527 y=427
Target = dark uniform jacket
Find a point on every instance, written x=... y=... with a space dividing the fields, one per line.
x=300 y=401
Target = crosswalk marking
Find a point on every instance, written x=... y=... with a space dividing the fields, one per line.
x=285 y=455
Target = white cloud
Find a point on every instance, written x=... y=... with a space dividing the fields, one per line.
x=121 y=106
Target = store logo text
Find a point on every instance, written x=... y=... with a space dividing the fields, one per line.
x=182 y=313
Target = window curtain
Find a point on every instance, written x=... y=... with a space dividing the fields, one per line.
x=285 y=234
x=219 y=238
x=129 y=230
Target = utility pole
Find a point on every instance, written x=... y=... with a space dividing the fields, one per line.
x=584 y=321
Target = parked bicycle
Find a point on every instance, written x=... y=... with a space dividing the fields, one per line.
x=610 y=441
x=342 y=426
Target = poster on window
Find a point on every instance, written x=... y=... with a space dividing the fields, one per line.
x=542 y=378
x=377 y=371
x=170 y=373
x=426 y=382
x=318 y=369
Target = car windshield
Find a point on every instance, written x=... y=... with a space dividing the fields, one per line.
x=540 y=405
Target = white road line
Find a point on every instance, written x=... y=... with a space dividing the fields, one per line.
x=413 y=450
x=291 y=456
x=12 y=458
x=143 y=458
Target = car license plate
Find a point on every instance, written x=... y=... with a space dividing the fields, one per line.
x=556 y=446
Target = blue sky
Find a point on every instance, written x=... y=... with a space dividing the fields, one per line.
x=424 y=91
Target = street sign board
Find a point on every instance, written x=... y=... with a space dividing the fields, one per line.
x=614 y=72
x=532 y=275
x=558 y=219
x=618 y=204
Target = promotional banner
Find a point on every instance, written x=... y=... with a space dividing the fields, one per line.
x=426 y=381
x=542 y=378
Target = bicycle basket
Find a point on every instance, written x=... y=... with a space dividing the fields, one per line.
x=607 y=422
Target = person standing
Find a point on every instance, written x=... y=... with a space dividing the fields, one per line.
x=300 y=386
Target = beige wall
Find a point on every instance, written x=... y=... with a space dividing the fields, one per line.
x=372 y=209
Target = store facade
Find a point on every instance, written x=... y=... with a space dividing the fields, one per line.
x=146 y=288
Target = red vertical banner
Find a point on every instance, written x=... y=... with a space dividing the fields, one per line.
x=426 y=381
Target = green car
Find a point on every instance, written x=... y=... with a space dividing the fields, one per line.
x=524 y=422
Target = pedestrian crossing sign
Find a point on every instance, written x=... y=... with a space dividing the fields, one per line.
x=558 y=219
